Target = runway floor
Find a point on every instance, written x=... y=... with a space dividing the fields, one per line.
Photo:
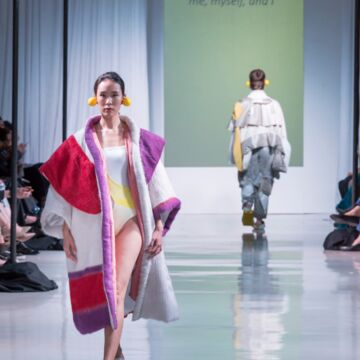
x=241 y=297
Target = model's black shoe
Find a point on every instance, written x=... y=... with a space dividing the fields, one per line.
x=4 y=256
x=23 y=249
x=343 y=219
x=119 y=354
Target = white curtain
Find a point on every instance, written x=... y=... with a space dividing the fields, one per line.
x=40 y=77
x=5 y=58
x=108 y=35
x=39 y=73
x=345 y=124
x=156 y=64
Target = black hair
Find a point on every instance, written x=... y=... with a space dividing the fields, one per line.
x=112 y=76
x=257 y=79
x=4 y=132
x=8 y=125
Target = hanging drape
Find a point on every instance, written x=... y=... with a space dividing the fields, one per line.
x=5 y=58
x=110 y=35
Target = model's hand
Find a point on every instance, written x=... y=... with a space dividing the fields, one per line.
x=156 y=243
x=22 y=147
x=23 y=192
x=69 y=244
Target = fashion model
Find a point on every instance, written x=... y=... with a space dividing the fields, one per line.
x=259 y=148
x=111 y=200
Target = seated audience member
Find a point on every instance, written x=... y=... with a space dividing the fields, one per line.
x=348 y=216
x=29 y=174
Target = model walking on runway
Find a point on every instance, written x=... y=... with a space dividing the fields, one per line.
x=112 y=202
x=259 y=148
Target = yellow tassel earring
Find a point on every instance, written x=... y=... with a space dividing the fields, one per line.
x=92 y=101
x=126 y=101
x=266 y=82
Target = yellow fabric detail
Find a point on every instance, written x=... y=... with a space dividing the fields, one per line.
x=237 y=111
x=237 y=151
x=120 y=194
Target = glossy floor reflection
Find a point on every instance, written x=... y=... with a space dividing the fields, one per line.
x=242 y=296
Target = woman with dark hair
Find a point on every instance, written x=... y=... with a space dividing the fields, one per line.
x=27 y=205
x=112 y=202
x=259 y=148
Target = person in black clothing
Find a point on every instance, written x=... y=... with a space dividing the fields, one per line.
x=26 y=204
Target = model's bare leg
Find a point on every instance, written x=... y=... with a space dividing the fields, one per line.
x=356 y=241
x=127 y=248
x=355 y=211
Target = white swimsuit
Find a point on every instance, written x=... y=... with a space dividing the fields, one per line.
x=117 y=173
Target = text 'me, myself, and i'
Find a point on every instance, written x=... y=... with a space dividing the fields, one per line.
x=233 y=3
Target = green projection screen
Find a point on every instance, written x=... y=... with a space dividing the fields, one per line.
x=210 y=46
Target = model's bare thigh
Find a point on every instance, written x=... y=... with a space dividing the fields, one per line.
x=127 y=248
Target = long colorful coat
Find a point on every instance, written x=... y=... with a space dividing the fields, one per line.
x=79 y=195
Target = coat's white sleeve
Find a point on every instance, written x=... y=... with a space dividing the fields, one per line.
x=285 y=142
x=164 y=202
x=55 y=212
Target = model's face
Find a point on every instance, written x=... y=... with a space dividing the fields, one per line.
x=9 y=139
x=109 y=97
